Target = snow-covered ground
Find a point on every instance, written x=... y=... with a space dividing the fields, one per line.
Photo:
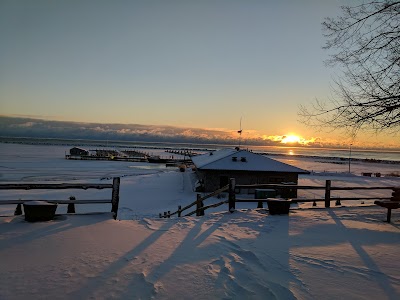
x=149 y=189
x=344 y=252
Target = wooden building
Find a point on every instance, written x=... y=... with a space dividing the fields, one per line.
x=215 y=168
x=78 y=151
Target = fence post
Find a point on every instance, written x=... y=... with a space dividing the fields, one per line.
x=199 y=204
x=395 y=194
x=179 y=211
x=389 y=214
x=169 y=214
x=160 y=215
x=328 y=194
x=232 y=199
x=18 y=210
x=115 y=196
x=71 y=206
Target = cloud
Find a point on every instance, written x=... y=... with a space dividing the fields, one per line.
x=24 y=125
x=37 y=128
x=42 y=117
x=294 y=140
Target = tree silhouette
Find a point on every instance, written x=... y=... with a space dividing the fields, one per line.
x=365 y=42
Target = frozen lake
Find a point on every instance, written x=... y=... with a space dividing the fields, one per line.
x=148 y=189
x=338 y=253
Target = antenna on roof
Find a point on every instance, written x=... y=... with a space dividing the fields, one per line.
x=240 y=132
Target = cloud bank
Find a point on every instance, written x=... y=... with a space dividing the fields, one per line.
x=38 y=128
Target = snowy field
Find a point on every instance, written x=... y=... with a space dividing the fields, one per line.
x=149 y=189
x=344 y=252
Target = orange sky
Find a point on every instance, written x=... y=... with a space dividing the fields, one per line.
x=190 y=64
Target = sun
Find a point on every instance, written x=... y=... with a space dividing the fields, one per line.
x=290 y=139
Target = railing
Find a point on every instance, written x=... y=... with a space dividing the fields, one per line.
x=327 y=198
x=71 y=203
x=200 y=208
x=232 y=188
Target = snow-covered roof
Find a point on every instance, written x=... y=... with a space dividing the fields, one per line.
x=245 y=161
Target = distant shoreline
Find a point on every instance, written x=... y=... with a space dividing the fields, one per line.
x=338 y=159
x=278 y=151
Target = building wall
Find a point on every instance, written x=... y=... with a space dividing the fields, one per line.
x=212 y=179
x=78 y=151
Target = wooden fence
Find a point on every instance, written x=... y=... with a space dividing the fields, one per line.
x=200 y=208
x=232 y=189
x=71 y=203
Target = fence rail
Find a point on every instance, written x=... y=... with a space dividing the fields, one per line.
x=114 y=201
x=232 y=188
x=311 y=187
x=86 y=201
x=200 y=208
x=53 y=186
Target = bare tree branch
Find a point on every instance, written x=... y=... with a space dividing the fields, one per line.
x=365 y=42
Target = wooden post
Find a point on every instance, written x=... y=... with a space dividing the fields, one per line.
x=18 y=210
x=115 y=196
x=198 y=205
x=160 y=215
x=71 y=206
x=395 y=194
x=169 y=214
x=260 y=204
x=165 y=214
x=389 y=215
x=179 y=211
x=231 y=203
x=202 y=211
x=328 y=194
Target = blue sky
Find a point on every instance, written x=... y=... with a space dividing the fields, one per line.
x=199 y=64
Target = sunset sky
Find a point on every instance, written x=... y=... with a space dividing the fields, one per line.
x=197 y=64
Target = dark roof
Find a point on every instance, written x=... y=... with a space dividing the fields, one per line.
x=78 y=148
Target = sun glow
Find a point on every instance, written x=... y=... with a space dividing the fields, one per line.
x=292 y=139
x=289 y=139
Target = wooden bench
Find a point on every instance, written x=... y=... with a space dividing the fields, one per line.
x=393 y=203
